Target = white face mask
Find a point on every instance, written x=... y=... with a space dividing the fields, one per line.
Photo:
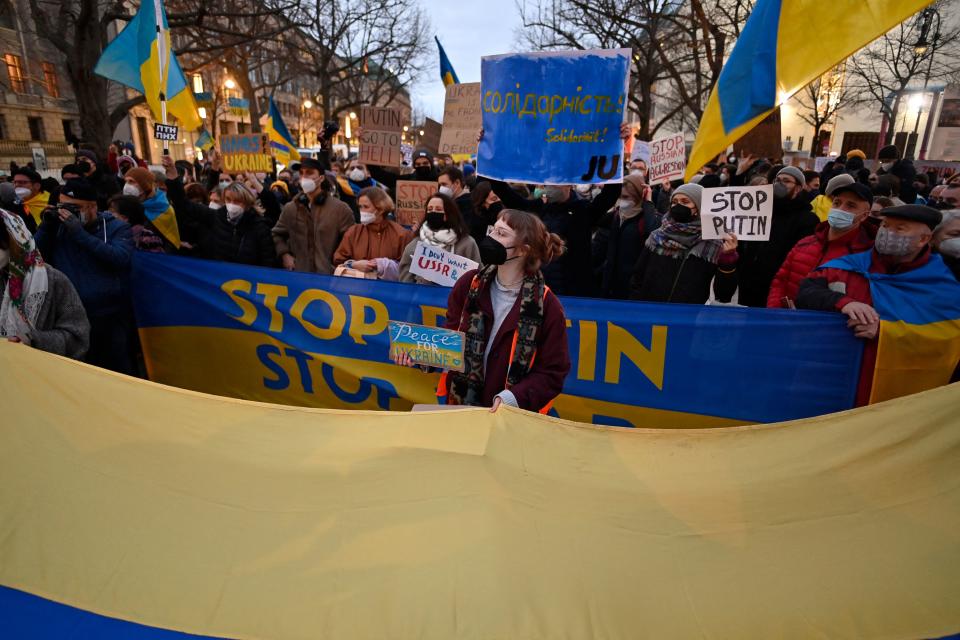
x=357 y=175
x=131 y=190
x=224 y=184
x=309 y=185
x=636 y=172
x=950 y=247
x=234 y=211
x=366 y=217
x=22 y=192
x=447 y=191
x=4 y=258
x=215 y=205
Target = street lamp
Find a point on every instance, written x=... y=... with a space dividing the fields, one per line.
x=353 y=115
x=203 y=112
x=921 y=48
x=230 y=84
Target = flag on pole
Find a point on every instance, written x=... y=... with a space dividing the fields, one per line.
x=135 y=59
x=447 y=74
x=281 y=142
x=204 y=140
x=781 y=50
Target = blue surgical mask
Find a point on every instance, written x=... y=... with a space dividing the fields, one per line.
x=840 y=220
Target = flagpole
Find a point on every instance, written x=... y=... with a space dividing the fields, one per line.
x=161 y=42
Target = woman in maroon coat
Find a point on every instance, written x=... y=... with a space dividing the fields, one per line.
x=516 y=349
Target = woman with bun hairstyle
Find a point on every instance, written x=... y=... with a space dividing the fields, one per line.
x=516 y=335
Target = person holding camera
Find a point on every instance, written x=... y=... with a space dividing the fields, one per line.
x=94 y=251
x=312 y=225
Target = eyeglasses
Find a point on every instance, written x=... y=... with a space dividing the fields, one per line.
x=499 y=232
x=786 y=181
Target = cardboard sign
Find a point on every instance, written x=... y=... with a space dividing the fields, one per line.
x=641 y=151
x=462 y=119
x=743 y=211
x=245 y=152
x=430 y=346
x=668 y=158
x=412 y=196
x=165 y=132
x=439 y=266
x=380 y=144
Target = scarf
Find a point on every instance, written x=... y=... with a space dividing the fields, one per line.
x=26 y=286
x=444 y=239
x=679 y=239
x=467 y=388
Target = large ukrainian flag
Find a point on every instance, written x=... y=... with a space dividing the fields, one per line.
x=919 y=325
x=785 y=45
x=447 y=74
x=133 y=59
x=159 y=212
x=281 y=142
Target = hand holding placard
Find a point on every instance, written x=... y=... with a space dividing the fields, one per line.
x=430 y=346
x=746 y=212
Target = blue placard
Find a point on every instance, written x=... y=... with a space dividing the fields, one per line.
x=430 y=346
x=554 y=117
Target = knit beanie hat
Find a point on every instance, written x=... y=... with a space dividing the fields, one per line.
x=692 y=191
x=143 y=177
x=794 y=173
x=856 y=153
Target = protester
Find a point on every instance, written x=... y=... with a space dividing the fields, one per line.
x=130 y=210
x=443 y=228
x=823 y=203
x=847 y=230
x=946 y=240
x=677 y=264
x=630 y=226
x=102 y=180
x=377 y=243
x=901 y=247
x=903 y=169
x=516 y=337
x=451 y=183
x=933 y=199
x=235 y=232
x=142 y=184
x=950 y=197
x=793 y=220
x=312 y=225
x=879 y=204
x=356 y=180
x=38 y=306
x=30 y=191
x=812 y=187
x=486 y=209
x=423 y=166
x=94 y=250
x=10 y=201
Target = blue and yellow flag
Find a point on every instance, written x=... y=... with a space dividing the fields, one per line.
x=281 y=142
x=784 y=46
x=919 y=325
x=204 y=140
x=161 y=215
x=133 y=59
x=447 y=74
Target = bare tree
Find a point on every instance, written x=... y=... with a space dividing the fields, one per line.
x=821 y=100
x=921 y=48
x=363 y=51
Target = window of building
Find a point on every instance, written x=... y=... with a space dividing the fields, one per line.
x=7 y=20
x=36 y=128
x=67 y=130
x=800 y=144
x=197 y=83
x=50 y=79
x=3 y=127
x=15 y=71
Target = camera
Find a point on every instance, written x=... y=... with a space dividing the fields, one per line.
x=51 y=211
x=330 y=129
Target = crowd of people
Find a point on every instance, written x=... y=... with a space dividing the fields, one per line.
x=66 y=254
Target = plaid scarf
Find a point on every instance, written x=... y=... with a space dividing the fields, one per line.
x=676 y=239
x=467 y=388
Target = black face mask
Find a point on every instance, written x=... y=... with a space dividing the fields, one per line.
x=436 y=220
x=941 y=205
x=423 y=173
x=492 y=252
x=680 y=213
x=495 y=209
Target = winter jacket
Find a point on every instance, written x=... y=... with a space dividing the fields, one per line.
x=624 y=246
x=95 y=258
x=659 y=278
x=312 y=235
x=813 y=251
x=792 y=221
x=465 y=247
x=249 y=241
x=573 y=220
x=552 y=361
x=379 y=239
x=833 y=289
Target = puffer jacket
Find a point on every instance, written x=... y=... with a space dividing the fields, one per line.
x=813 y=251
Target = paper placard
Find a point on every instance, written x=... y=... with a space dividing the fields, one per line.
x=439 y=266
x=167 y=132
x=641 y=151
x=820 y=162
x=462 y=119
x=430 y=346
x=668 y=158
x=245 y=152
x=412 y=196
x=746 y=212
x=380 y=144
